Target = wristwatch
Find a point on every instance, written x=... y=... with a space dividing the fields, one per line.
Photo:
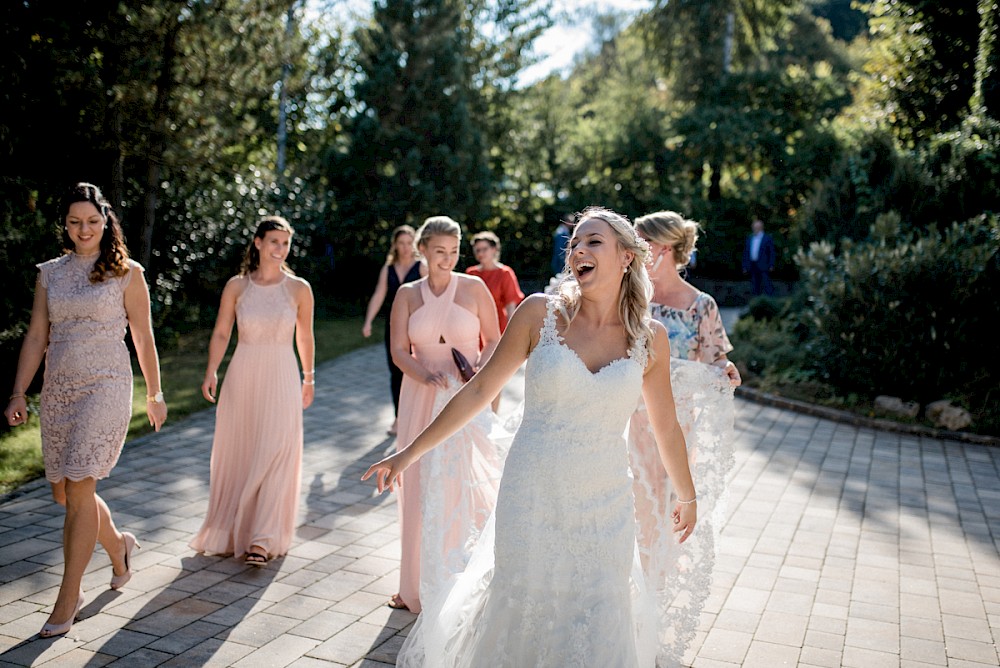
x=156 y=398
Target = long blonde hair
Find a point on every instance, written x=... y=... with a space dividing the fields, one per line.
x=390 y=258
x=670 y=229
x=636 y=289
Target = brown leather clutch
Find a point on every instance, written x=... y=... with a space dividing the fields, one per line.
x=465 y=369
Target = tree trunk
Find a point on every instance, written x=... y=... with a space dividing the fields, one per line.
x=286 y=70
x=117 y=192
x=158 y=140
x=986 y=96
x=715 y=182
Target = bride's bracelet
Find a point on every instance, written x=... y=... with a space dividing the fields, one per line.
x=687 y=503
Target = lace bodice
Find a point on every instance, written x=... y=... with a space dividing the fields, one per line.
x=87 y=394
x=266 y=314
x=560 y=391
x=80 y=310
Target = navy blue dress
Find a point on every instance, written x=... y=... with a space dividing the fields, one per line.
x=393 y=283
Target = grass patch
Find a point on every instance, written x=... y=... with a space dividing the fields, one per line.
x=182 y=365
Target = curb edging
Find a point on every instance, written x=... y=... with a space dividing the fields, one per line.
x=837 y=415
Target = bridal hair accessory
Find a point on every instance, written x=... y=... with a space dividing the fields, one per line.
x=643 y=250
x=465 y=369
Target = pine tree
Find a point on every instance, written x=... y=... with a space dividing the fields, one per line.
x=415 y=148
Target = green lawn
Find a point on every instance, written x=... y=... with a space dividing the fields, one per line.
x=183 y=368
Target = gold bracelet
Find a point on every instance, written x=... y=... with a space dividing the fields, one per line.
x=16 y=395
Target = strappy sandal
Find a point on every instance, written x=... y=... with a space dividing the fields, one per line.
x=255 y=559
x=396 y=603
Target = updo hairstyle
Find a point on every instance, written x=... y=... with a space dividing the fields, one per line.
x=670 y=229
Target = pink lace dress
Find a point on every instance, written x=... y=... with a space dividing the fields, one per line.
x=86 y=400
x=257 y=451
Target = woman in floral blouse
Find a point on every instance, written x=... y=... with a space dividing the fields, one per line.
x=702 y=379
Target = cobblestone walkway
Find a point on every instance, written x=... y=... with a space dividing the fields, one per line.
x=844 y=546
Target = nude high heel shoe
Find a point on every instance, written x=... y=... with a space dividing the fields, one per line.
x=53 y=630
x=119 y=581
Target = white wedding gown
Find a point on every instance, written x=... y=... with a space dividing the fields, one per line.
x=555 y=578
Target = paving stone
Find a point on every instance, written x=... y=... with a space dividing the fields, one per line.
x=187 y=637
x=841 y=546
x=766 y=655
x=282 y=651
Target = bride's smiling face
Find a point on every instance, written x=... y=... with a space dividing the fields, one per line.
x=595 y=256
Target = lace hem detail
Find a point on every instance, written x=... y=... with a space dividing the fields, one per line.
x=682 y=573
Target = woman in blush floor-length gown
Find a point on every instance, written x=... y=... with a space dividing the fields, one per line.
x=257 y=451
x=430 y=317
x=702 y=380
x=555 y=579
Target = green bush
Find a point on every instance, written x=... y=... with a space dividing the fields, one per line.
x=771 y=346
x=872 y=178
x=764 y=308
x=908 y=314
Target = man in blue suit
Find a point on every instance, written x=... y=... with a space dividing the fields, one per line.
x=560 y=242
x=758 y=259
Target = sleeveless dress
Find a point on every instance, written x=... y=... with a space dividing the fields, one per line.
x=703 y=399
x=434 y=484
x=392 y=287
x=257 y=451
x=555 y=579
x=503 y=287
x=86 y=400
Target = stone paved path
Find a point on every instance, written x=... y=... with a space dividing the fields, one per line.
x=844 y=546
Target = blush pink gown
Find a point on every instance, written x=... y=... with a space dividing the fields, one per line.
x=257 y=451
x=434 y=329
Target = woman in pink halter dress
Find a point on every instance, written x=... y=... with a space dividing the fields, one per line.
x=430 y=317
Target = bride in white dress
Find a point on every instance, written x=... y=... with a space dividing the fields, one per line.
x=555 y=579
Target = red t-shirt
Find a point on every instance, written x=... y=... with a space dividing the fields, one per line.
x=502 y=284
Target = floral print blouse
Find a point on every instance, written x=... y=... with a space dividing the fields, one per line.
x=696 y=333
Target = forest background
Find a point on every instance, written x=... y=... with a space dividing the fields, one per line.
x=864 y=133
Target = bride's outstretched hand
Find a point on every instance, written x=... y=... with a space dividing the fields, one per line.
x=388 y=472
x=684 y=516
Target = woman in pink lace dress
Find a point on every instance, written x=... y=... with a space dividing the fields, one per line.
x=257 y=452
x=83 y=302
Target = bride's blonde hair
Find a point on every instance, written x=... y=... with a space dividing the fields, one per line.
x=636 y=288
